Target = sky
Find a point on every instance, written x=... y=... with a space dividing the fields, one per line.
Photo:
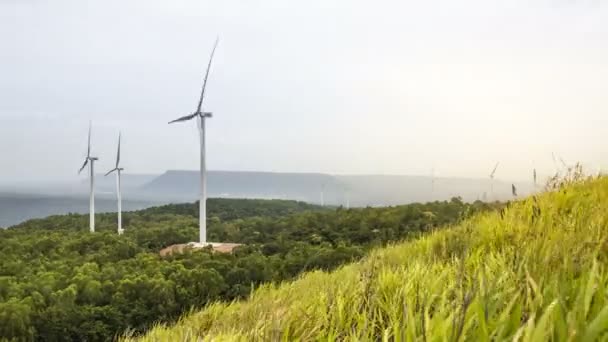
x=344 y=87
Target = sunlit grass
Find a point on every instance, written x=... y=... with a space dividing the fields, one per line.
x=534 y=272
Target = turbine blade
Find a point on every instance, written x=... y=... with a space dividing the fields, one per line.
x=494 y=170
x=118 y=153
x=184 y=118
x=86 y=161
x=110 y=171
x=89 y=146
x=200 y=101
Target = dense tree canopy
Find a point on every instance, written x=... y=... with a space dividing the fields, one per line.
x=60 y=282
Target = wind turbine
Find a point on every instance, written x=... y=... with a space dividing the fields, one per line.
x=346 y=190
x=492 y=180
x=201 y=116
x=92 y=160
x=347 y=199
x=118 y=170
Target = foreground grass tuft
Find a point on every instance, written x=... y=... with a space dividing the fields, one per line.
x=535 y=271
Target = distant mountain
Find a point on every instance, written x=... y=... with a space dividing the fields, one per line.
x=16 y=208
x=128 y=181
x=141 y=191
x=358 y=190
x=239 y=184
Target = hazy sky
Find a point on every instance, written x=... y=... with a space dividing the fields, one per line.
x=394 y=87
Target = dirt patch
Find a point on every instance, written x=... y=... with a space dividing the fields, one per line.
x=181 y=248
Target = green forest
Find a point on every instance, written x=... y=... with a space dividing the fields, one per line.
x=59 y=282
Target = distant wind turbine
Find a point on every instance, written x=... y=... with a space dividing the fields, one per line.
x=347 y=199
x=492 y=180
x=118 y=170
x=534 y=175
x=200 y=115
x=346 y=190
x=513 y=190
x=92 y=160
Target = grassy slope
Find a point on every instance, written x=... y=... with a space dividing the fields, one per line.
x=523 y=274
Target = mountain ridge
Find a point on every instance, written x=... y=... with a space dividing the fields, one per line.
x=333 y=189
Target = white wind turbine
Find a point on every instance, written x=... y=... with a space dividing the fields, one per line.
x=118 y=170
x=347 y=199
x=201 y=116
x=346 y=190
x=92 y=160
x=492 y=181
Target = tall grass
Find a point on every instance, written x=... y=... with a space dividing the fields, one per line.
x=537 y=271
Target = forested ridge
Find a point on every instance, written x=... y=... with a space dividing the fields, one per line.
x=59 y=282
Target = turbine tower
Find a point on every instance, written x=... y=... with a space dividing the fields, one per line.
x=92 y=160
x=492 y=181
x=118 y=170
x=346 y=190
x=200 y=115
x=347 y=199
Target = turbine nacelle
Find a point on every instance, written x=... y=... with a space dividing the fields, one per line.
x=86 y=162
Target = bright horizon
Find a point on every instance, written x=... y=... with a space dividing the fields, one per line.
x=349 y=87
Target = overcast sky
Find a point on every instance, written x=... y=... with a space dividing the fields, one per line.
x=392 y=87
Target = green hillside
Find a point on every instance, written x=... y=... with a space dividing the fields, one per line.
x=534 y=271
x=59 y=282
